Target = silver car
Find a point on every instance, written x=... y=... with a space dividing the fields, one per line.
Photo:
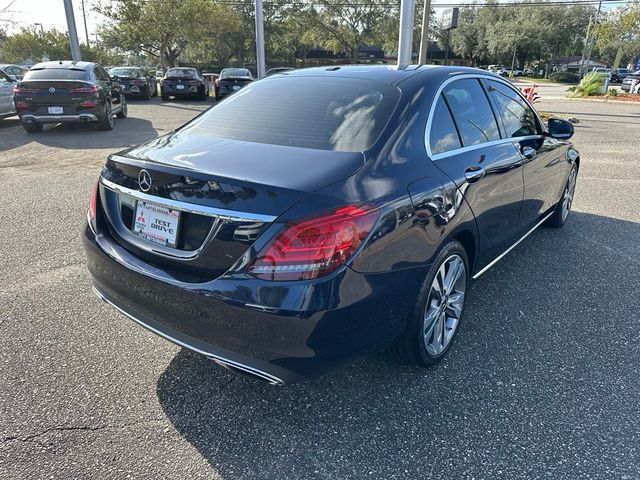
x=7 y=108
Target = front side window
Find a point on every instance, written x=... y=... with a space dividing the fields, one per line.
x=443 y=135
x=471 y=112
x=517 y=117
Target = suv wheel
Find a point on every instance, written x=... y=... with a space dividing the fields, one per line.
x=106 y=121
x=33 y=127
x=123 y=110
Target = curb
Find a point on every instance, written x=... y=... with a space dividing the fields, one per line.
x=600 y=100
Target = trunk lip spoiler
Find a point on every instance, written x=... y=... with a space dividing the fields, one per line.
x=221 y=213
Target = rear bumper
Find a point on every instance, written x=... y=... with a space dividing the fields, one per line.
x=186 y=92
x=80 y=118
x=279 y=332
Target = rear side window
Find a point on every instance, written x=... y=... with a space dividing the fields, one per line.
x=443 y=136
x=55 y=74
x=517 y=117
x=341 y=114
x=471 y=112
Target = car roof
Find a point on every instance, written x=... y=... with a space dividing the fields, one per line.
x=386 y=73
x=63 y=64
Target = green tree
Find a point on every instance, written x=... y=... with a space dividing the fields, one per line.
x=161 y=28
x=618 y=36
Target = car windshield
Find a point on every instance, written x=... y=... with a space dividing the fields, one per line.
x=55 y=74
x=235 y=72
x=124 y=72
x=341 y=114
x=181 y=73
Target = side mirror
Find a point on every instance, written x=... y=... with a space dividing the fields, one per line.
x=560 y=129
x=115 y=78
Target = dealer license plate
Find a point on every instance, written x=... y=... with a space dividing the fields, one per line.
x=180 y=87
x=56 y=110
x=156 y=223
x=236 y=87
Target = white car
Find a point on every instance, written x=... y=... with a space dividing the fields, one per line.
x=7 y=107
x=506 y=72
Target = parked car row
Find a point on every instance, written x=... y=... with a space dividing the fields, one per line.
x=67 y=91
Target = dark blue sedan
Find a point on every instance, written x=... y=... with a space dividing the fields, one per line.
x=317 y=217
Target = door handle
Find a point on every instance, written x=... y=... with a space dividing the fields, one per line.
x=474 y=173
x=528 y=152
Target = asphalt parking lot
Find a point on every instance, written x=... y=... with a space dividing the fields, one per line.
x=542 y=382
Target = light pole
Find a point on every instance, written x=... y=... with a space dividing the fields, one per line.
x=260 y=64
x=424 y=38
x=405 y=37
x=73 y=33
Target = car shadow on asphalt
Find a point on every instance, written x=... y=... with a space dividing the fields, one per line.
x=526 y=369
x=126 y=132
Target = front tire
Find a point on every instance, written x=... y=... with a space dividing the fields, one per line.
x=561 y=212
x=437 y=312
x=106 y=121
x=165 y=98
x=123 y=110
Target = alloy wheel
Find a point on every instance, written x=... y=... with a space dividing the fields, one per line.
x=444 y=305
x=569 y=191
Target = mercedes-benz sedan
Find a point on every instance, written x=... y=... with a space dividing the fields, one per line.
x=317 y=217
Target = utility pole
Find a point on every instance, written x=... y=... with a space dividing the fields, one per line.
x=73 y=33
x=405 y=37
x=588 y=43
x=260 y=64
x=84 y=17
x=424 y=38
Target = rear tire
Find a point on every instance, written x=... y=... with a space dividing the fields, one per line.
x=561 y=212
x=33 y=127
x=165 y=98
x=434 y=318
x=106 y=121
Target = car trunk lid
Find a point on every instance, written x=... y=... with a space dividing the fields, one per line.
x=227 y=193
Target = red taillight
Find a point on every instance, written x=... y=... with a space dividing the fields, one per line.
x=18 y=91
x=91 y=89
x=91 y=214
x=315 y=247
x=22 y=105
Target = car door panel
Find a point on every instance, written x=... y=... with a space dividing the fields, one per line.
x=542 y=157
x=486 y=168
x=495 y=199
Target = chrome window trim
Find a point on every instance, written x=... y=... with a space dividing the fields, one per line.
x=222 y=214
x=225 y=362
x=468 y=148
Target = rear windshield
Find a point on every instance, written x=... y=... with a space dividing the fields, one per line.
x=55 y=74
x=235 y=72
x=341 y=114
x=125 y=72
x=181 y=73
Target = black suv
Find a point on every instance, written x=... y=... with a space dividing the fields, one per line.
x=67 y=92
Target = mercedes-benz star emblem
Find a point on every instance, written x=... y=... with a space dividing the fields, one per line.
x=52 y=90
x=144 y=180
